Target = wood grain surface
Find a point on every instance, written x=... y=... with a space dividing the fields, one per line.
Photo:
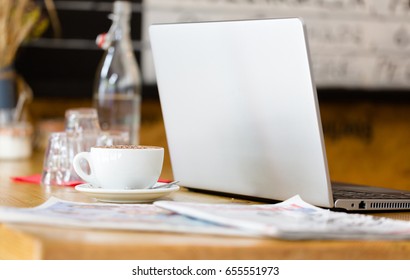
x=46 y=242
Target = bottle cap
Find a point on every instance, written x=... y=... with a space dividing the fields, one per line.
x=103 y=41
x=122 y=7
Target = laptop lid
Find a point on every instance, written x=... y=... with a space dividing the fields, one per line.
x=240 y=108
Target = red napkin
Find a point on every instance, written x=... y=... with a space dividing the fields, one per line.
x=36 y=179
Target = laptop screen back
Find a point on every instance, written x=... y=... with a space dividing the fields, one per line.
x=240 y=108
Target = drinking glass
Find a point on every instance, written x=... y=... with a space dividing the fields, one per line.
x=83 y=124
x=113 y=137
x=82 y=120
x=57 y=163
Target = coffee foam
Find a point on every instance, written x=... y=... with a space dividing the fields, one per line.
x=130 y=147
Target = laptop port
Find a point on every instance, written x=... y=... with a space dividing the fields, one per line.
x=362 y=205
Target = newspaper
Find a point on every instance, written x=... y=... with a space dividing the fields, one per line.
x=292 y=219
x=138 y=217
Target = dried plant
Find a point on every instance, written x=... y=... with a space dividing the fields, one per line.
x=19 y=21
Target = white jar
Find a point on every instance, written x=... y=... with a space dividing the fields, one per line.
x=16 y=140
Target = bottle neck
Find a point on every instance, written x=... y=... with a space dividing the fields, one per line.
x=121 y=28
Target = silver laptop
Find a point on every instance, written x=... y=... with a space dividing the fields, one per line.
x=242 y=117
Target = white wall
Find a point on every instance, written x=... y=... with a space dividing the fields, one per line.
x=354 y=43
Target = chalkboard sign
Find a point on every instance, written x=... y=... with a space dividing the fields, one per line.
x=355 y=44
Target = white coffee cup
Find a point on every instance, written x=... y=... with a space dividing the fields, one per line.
x=121 y=166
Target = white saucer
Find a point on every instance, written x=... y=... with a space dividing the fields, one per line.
x=126 y=196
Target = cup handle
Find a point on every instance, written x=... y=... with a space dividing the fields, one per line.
x=90 y=178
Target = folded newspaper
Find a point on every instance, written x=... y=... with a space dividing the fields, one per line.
x=291 y=219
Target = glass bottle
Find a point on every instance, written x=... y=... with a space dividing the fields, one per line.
x=117 y=89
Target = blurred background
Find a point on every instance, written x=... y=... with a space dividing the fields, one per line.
x=360 y=51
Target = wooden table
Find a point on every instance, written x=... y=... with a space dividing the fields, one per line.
x=47 y=242
x=41 y=242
